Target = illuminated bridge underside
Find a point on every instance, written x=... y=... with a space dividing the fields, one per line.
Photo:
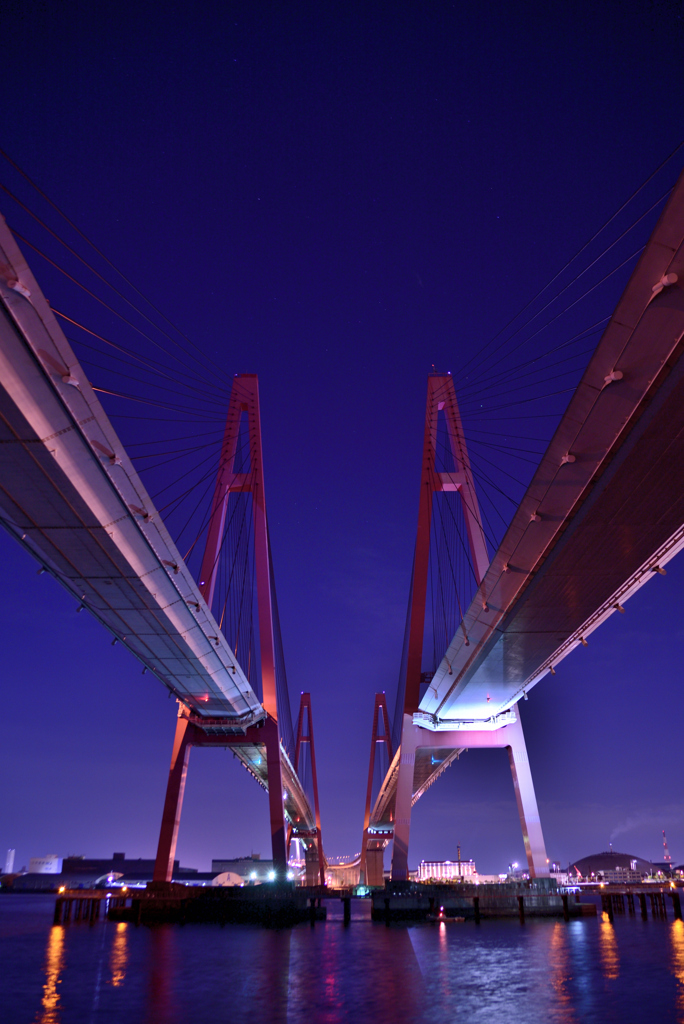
x=608 y=516
x=70 y=495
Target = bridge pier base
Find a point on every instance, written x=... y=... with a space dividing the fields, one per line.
x=375 y=863
x=312 y=865
x=402 y=806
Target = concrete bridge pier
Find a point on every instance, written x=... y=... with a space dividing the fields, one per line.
x=526 y=800
x=375 y=856
x=312 y=863
x=414 y=737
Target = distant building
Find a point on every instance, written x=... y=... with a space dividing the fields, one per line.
x=610 y=866
x=86 y=873
x=50 y=865
x=446 y=870
x=9 y=862
x=249 y=869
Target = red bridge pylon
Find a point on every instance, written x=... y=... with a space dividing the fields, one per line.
x=372 y=849
x=314 y=856
x=417 y=742
x=441 y=397
x=244 y=399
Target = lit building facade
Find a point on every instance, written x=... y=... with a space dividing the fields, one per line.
x=446 y=870
x=50 y=865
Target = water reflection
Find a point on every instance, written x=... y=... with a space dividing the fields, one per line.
x=161 y=998
x=608 y=951
x=443 y=961
x=561 y=976
x=275 y=980
x=54 y=964
x=363 y=973
x=677 y=941
x=118 y=960
x=548 y=971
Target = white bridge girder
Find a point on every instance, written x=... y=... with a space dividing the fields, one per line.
x=71 y=497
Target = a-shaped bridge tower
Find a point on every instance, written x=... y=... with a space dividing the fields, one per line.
x=422 y=756
x=603 y=514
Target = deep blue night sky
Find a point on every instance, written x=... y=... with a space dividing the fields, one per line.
x=337 y=197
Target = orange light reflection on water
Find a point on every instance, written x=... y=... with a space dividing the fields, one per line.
x=610 y=960
x=118 y=960
x=54 y=963
x=677 y=940
x=560 y=966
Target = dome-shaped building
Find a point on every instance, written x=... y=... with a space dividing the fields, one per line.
x=611 y=866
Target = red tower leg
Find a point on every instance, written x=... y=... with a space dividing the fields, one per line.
x=168 y=835
x=305 y=735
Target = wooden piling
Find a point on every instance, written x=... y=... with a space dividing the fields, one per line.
x=566 y=909
x=346 y=901
x=521 y=909
x=676 y=905
x=476 y=908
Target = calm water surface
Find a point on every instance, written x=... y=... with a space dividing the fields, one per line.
x=499 y=971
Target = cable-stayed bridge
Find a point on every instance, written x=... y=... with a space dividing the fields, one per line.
x=603 y=514
x=71 y=496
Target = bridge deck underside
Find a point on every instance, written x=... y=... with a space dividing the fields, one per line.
x=635 y=510
x=606 y=500
x=43 y=505
x=74 y=509
x=630 y=519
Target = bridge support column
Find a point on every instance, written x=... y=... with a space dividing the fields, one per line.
x=402 y=807
x=173 y=804
x=312 y=862
x=275 y=798
x=527 y=802
x=375 y=864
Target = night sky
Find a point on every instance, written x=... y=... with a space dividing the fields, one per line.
x=338 y=197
